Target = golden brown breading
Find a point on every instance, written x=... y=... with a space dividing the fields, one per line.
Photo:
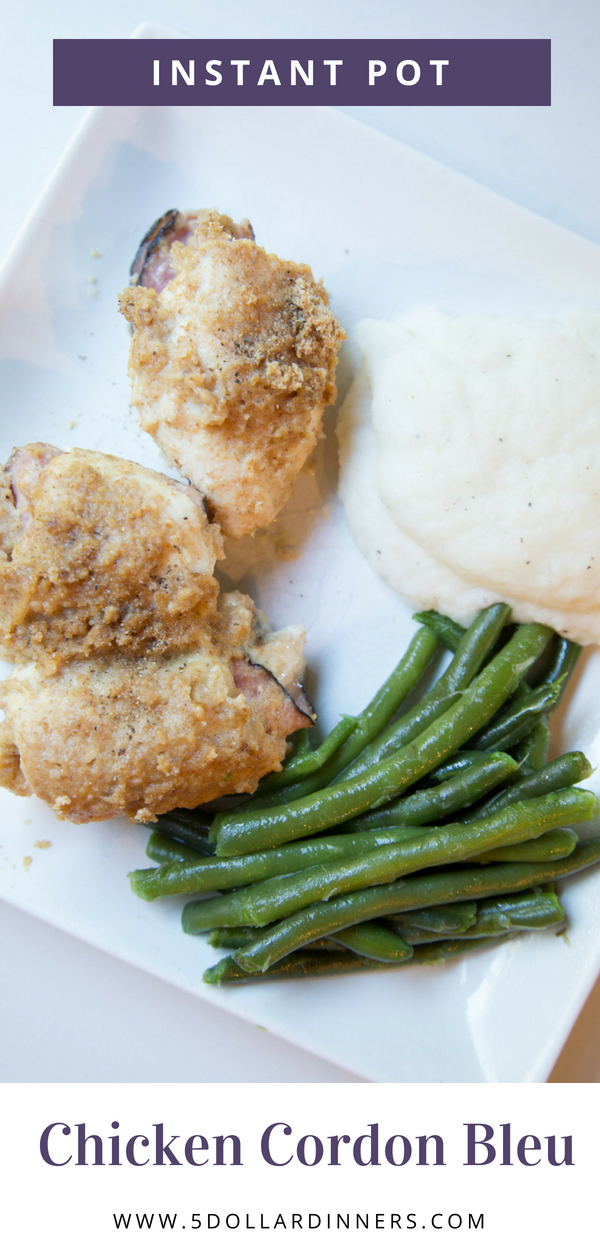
x=136 y=688
x=114 y=736
x=232 y=365
x=100 y=554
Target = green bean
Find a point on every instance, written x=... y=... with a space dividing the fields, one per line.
x=432 y=803
x=530 y=911
x=163 y=850
x=286 y=894
x=519 y=693
x=520 y=730
x=563 y=772
x=519 y=719
x=447 y=951
x=433 y=705
x=231 y=938
x=394 y=691
x=299 y=966
x=211 y=874
x=299 y=767
x=317 y=781
x=302 y=742
x=374 y=787
x=474 y=647
x=559 y=842
x=495 y=917
x=523 y=912
x=532 y=752
x=184 y=825
x=445 y=629
x=432 y=888
x=439 y=920
x=443 y=917
x=371 y=721
x=456 y=764
x=400 y=733
x=234 y=938
x=418 y=936
x=373 y=940
x=306 y=963
x=565 y=656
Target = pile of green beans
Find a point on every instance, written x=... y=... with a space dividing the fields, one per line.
x=414 y=833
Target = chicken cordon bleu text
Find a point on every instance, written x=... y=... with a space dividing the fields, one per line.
x=232 y=362
x=136 y=687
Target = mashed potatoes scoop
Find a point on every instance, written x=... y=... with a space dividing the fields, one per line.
x=470 y=461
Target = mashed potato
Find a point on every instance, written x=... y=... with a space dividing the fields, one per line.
x=470 y=458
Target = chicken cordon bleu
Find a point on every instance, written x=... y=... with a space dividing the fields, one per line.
x=232 y=362
x=136 y=687
x=99 y=554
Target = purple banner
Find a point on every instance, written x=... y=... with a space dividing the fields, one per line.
x=302 y=72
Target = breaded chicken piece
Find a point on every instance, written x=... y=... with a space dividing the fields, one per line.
x=100 y=554
x=232 y=364
x=112 y=735
x=137 y=687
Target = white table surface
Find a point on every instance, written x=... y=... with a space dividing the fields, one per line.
x=71 y=1013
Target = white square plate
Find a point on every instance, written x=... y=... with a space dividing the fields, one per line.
x=387 y=229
